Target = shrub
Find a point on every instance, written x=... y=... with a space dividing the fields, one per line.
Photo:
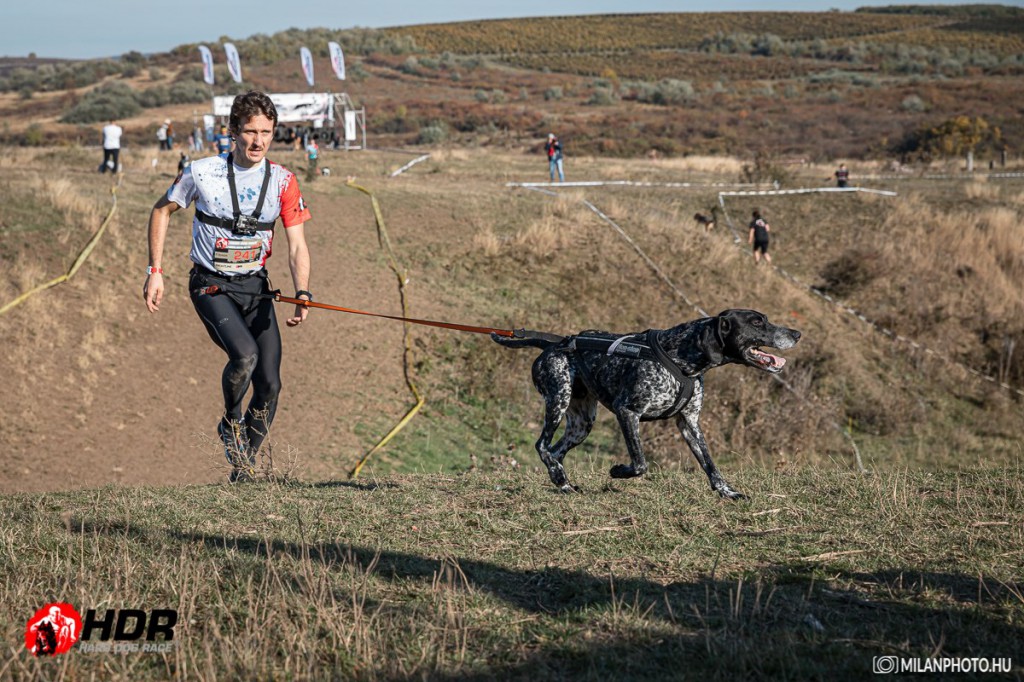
x=665 y=92
x=410 y=66
x=851 y=271
x=189 y=92
x=601 y=97
x=435 y=133
x=481 y=96
x=356 y=73
x=33 y=135
x=110 y=101
x=554 y=92
x=156 y=96
x=913 y=103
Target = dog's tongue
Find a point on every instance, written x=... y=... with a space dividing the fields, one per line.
x=768 y=359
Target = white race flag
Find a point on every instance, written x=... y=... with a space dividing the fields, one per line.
x=307 y=64
x=337 y=60
x=204 y=51
x=234 y=63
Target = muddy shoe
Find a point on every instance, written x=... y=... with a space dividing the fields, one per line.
x=236 y=450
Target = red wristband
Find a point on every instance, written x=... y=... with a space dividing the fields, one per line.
x=150 y=270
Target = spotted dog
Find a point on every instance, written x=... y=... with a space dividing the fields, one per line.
x=652 y=375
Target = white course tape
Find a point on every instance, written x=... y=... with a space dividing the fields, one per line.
x=942 y=176
x=410 y=165
x=807 y=190
x=628 y=183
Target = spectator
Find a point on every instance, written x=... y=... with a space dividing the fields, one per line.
x=111 y=148
x=184 y=162
x=222 y=142
x=197 y=139
x=554 y=151
x=842 y=176
x=759 y=231
x=312 y=155
x=161 y=136
x=170 y=135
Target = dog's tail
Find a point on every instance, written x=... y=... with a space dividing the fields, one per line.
x=525 y=338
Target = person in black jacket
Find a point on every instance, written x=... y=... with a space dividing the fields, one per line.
x=759 y=230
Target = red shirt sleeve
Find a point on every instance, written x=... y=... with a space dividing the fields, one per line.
x=293 y=208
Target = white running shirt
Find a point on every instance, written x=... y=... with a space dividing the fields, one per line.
x=205 y=181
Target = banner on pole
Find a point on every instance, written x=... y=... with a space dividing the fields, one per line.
x=234 y=63
x=307 y=64
x=337 y=60
x=350 y=125
x=207 y=56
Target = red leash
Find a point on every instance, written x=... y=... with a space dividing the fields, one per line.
x=430 y=323
x=278 y=297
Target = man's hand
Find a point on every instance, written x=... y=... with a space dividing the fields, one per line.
x=153 y=291
x=300 y=315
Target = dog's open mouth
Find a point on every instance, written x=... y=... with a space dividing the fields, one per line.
x=766 y=361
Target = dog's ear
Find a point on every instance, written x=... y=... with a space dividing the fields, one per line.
x=712 y=343
x=724 y=326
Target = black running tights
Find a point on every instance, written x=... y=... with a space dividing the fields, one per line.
x=248 y=333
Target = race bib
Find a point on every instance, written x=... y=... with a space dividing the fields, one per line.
x=238 y=254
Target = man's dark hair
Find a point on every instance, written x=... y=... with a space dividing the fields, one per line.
x=252 y=103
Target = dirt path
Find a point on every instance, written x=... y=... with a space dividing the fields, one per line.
x=102 y=392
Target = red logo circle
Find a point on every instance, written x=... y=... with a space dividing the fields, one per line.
x=53 y=630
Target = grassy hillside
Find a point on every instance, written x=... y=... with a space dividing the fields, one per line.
x=820 y=85
x=496 y=576
x=935 y=264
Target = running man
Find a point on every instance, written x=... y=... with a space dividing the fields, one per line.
x=759 y=237
x=239 y=196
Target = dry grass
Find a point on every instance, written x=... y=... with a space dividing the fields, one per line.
x=981 y=189
x=492 y=575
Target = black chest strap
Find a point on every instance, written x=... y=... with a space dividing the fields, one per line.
x=232 y=223
x=234 y=190
x=686 y=383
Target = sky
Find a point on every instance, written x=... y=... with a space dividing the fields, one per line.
x=75 y=29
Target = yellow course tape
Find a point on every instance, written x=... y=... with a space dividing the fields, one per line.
x=382 y=237
x=78 y=261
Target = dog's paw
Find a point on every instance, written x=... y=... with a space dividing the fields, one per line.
x=623 y=471
x=569 y=488
x=730 y=494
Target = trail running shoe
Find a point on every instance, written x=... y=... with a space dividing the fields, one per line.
x=236 y=450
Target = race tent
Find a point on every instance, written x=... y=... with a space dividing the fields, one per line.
x=321 y=110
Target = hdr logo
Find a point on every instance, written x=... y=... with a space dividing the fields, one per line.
x=128 y=625
x=55 y=628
